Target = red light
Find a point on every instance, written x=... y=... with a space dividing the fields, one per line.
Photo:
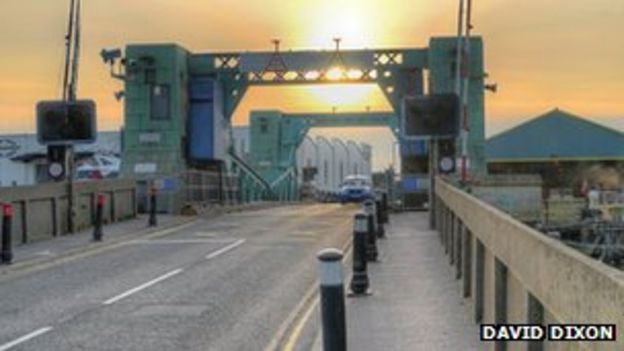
x=7 y=210
x=101 y=199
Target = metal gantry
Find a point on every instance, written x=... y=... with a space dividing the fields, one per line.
x=179 y=104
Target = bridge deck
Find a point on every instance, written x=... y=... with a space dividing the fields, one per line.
x=416 y=302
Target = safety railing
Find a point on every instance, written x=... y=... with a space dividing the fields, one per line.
x=252 y=186
x=513 y=274
x=285 y=186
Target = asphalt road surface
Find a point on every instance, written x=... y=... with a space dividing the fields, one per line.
x=228 y=283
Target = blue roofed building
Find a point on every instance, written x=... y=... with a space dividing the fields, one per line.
x=563 y=148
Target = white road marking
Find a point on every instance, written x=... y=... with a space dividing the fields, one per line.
x=225 y=249
x=25 y=338
x=44 y=253
x=141 y=287
x=181 y=241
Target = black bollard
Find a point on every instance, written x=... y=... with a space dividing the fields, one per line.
x=99 y=213
x=381 y=231
x=332 y=301
x=359 y=281
x=385 y=208
x=6 y=254
x=152 y=214
x=371 y=247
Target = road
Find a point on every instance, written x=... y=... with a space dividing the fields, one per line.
x=228 y=283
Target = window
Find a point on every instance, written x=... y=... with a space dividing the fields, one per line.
x=160 y=102
x=150 y=76
x=264 y=126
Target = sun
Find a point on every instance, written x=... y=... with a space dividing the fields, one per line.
x=346 y=21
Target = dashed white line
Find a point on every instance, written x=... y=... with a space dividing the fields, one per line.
x=141 y=287
x=225 y=249
x=212 y=255
x=25 y=338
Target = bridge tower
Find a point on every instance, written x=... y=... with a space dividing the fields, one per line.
x=178 y=104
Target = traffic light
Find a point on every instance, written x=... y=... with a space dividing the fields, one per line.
x=446 y=156
x=431 y=116
x=60 y=122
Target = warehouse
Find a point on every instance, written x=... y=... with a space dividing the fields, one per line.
x=571 y=153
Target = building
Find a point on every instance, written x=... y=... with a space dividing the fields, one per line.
x=565 y=149
x=320 y=161
x=23 y=161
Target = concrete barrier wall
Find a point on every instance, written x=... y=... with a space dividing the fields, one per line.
x=41 y=210
x=525 y=276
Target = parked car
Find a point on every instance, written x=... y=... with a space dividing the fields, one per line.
x=98 y=167
x=356 y=188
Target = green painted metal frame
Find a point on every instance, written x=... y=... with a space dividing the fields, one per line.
x=398 y=72
x=384 y=67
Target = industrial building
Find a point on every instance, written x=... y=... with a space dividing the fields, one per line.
x=568 y=151
x=321 y=162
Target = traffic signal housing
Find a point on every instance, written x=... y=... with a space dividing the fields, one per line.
x=430 y=117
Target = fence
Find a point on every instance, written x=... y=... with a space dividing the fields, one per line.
x=511 y=273
x=41 y=211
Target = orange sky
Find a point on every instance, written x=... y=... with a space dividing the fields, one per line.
x=543 y=54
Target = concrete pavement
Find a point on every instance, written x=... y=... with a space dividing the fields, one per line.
x=415 y=305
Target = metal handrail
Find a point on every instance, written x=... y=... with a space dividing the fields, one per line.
x=250 y=171
x=282 y=177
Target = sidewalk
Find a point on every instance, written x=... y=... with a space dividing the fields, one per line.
x=66 y=245
x=416 y=302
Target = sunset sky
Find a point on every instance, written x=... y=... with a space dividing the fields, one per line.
x=543 y=54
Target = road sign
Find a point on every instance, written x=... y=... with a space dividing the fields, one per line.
x=66 y=123
x=56 y=170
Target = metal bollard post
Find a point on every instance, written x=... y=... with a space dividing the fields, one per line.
x=371 y=248
x=332 y=301
x=152 y=214
x=359 y=281
x=6 y=254
x=99 y=212
x=381 y=231
x=385 y=208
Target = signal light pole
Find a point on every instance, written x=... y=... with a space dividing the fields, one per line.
x=6 y=253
